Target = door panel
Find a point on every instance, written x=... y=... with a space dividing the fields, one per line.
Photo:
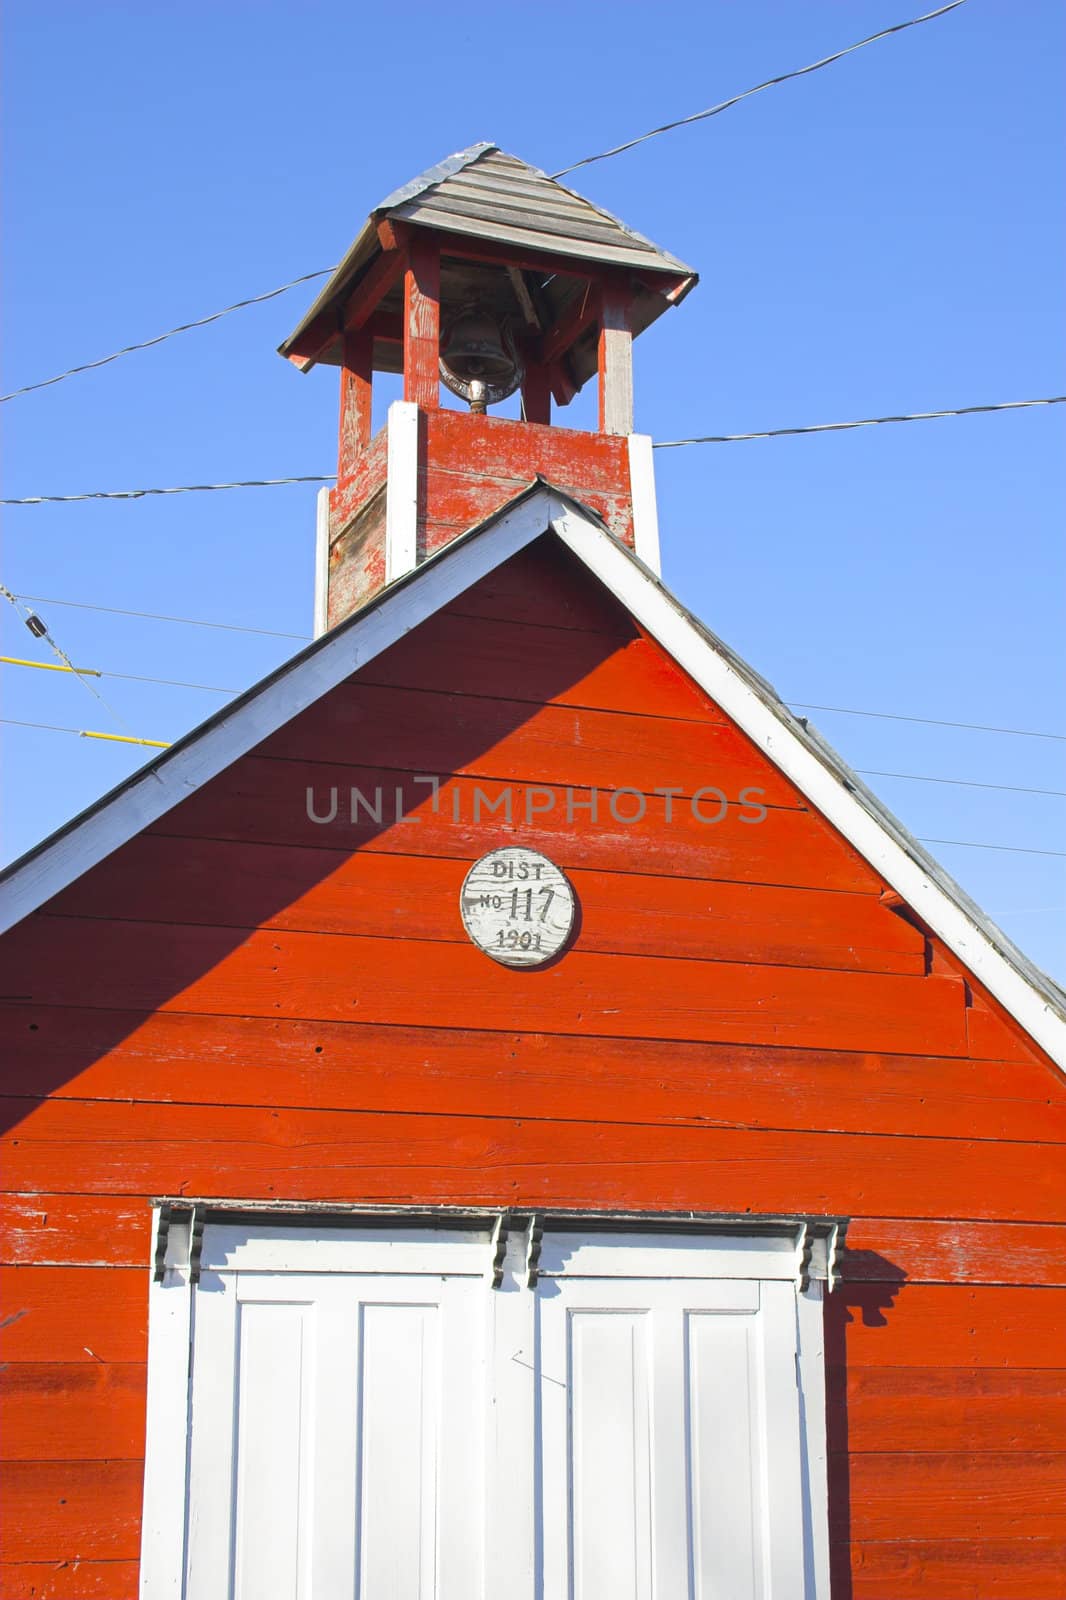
x=275 y=1355
x=400 y=1384
x=724 y=1487
x=659 y=1474
x=610 y=1488
x=334 y=1433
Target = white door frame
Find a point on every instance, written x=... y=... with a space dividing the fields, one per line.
x=511 y=1252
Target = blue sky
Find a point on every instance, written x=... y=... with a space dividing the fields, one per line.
x=883 y=236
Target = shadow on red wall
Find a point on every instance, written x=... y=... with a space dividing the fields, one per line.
x=869 y=1302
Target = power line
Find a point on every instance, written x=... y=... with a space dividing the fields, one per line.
x=160 y=338
x=770 y=83
x=125 y=677
x=861 y=422
x=88 y=733
x=1015 y=849
x=181 y=488
x=156 y=616
x=931 y=722
x=668 y=444
x=965 y=783
x=699 y=116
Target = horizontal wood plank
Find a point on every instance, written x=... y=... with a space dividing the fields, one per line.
x=990 y=1033
x=416 y=730
x=90 y=1053
x=130 y=965
x=543 y=663
x=501 y=445
x=160 y=878
x=951 y=1569
x=69 y=1580
x=71 y=1510
x=72 y=1411
x=951 y=1496
x=541 y=582
x=72 y=1314
x=275 y=802
x=946 y=1325
x=904 y=1409
x=75 y=1230
x=103 y=1147
x=956 y=1252
x=460 y=497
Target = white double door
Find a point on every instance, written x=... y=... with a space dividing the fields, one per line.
x=372 y=1420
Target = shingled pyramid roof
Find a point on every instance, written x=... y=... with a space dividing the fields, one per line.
x=482 y=193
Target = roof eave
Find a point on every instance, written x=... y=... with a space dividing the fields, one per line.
x=362 y=249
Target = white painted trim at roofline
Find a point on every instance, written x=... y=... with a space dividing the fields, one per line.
x=321 y=564
x=166 y=782
x=656 y=611
x=401 y=490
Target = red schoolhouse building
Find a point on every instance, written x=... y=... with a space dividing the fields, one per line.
x=501 y=1109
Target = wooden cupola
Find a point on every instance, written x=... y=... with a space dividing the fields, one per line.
x=480 y=245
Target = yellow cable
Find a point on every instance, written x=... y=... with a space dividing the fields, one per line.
x=124 y=738
x=48 y=666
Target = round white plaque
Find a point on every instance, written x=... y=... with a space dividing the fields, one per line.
x=517 y=906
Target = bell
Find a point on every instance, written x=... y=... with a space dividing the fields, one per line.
x=475 y=350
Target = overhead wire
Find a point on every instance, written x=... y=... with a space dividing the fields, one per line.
x=158 y=616
x=931 y=722
x=161 y=338
x=769 y=83
x=181 y=488
x=603 y=155
x=125 y=677
x=88 y=733
x=666 y=444
x=1014 y=849
x=964 y=783
x=859 y=422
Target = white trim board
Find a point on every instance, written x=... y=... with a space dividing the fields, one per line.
x=815 y=770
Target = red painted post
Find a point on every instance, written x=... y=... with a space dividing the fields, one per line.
x=421 y=327
x=537 y=395
x=356 y=394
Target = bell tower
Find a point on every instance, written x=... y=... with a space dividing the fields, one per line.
x=487 y=277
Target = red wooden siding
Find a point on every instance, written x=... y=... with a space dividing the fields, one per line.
x=474 y=465
x=245 y=1002
x=357 y=531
